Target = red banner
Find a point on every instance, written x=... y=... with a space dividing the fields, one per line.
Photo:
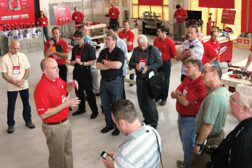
x=16 y=13
x=228 y=16
x=62 y=14
x=150 y=2
x=216 y=3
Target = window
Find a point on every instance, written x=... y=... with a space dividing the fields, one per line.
x=162 y=11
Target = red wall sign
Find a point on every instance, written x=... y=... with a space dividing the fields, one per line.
x=216 y=3
x=228 y=16
x=62 y=14
x=150 y=2
x=15 y=13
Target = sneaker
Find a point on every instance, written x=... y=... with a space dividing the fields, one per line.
x=162 y=103
x=180 y=164
x=93 y=115
x=30 y=125
x=106 y=129
x=10 y=129
x=116 y=132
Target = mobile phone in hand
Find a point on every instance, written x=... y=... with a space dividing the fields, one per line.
x=104 y=154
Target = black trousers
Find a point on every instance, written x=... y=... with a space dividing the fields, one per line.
x=146 y=104
x=63 y=72
x=114 y=22
x=84 y=79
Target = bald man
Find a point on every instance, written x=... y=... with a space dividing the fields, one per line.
x=52 y=105
x=15 y=69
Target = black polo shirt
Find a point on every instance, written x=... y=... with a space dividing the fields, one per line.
x=116 y=55
x=87 y=53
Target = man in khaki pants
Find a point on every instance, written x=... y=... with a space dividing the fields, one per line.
x=52 y=106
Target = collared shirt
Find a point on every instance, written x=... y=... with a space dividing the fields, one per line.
x=209 y=53
x=198 y=50
x=78 y=17
x=116 y=55
x=42 y=21
x=121 y=44
x=114 y=13
x=7 y=63
x=49 y=94
x=140 y=150
x=62 y=47
x=166 y=47
x=195 y=92
x=215 y=45
x=180 y=12
x=213 y=110
x=128 y=36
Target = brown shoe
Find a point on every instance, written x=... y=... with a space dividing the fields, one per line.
x=30 y=125
x=10 y=129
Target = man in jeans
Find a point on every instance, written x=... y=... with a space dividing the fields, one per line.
x=110 y=62
x=189 y=95
x=15 y=69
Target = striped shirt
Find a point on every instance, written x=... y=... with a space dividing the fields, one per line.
x=140 y=150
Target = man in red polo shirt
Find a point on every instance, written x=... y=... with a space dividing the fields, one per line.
x=215 y=44
x=249 y=59
x=52 y=106
x=128 y=36
x=210 y=55
x=77 y=16
x=180 y=15
x=58 y=49
x=189 y=95
x=167 y=49
x=114 y=14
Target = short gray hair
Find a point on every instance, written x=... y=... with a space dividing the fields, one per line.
x=141 y=38
x=245 y=95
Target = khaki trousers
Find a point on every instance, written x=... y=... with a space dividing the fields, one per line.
x=59 y=142
x=179 y=30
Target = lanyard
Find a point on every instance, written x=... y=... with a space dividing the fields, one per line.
x=107 y=56
x=12 y=61
x=219 y=85
x=81 y=49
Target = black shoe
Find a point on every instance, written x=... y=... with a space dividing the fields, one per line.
x=162 y=103
x=115 y=132
x=30 y=125
x=79 y=111
x=106 y=129
x=10 y=129
x=93 y=115
x=70 y=108
x=97 y=94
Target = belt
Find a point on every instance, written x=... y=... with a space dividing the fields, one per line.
x=187 y=115
x=142 y=78
x=111 y=79
x=55 y=123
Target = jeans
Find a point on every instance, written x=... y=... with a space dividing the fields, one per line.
x=111 y=92
x=187 y=133
x=146 y=104
x=166 y=68
x=12 y=96
x=45 y=30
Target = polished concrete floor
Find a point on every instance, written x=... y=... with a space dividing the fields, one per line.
x=26 y=148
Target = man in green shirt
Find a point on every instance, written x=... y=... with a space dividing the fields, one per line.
x=211 y=117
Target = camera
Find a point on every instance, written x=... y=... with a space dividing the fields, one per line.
x=104 y=154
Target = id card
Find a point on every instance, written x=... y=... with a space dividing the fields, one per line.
x=16 y=70
x=77 y=57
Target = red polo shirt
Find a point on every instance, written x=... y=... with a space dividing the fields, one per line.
x=114 y=13
x=42 y=22
x=180 y=12
x=166 y=47
x=130 y=36
x=62 y=47
x=78 y=17
x=251 y=48
x=209 y=53
x=49 y=94
x=195 y=92
x=215 y=45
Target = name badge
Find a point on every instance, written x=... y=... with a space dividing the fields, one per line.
x=44 y=23
x=113 y=14
x=63 y=98
x=184 y=92
x=77 y=57
x=76 y=18
x=16 y=70
x=142 y=62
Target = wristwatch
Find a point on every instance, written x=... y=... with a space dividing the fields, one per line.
x=198 y=144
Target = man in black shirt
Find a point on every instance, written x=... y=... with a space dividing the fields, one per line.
x=83 y=56
x=145 y=59
x=236 y=149
x=110 y=62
